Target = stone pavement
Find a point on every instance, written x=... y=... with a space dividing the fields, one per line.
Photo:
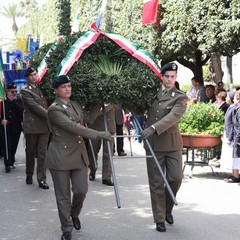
x=208 y=208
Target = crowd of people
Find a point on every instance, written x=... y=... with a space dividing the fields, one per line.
x=66 y=139
x=228 y=101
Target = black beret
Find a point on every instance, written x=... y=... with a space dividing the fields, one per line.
x=62 y=79
x=11 y=86
x=29 y=71
x=169 y=67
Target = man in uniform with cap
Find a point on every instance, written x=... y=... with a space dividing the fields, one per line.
x=164 y=137
x=35 y=128
x=11 y=119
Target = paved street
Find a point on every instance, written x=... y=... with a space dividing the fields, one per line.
x=208 y=209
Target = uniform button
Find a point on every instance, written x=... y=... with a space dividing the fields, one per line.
x=65 y=146
x=159 y=104
x=79 y=136
x=156 y=118
x=157 y=111
x=79 y=141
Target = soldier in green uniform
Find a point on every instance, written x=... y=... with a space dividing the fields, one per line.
x=99 y=126
x=164 y=137
x=35 y=127
x=67 y=157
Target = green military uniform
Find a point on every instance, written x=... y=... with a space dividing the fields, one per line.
x=67 y=158
x=36 y=129
x=164 y=113
x=99 y=126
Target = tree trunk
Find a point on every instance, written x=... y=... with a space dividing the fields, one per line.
x=215 y=68
x=196 y=65
x=229 y=70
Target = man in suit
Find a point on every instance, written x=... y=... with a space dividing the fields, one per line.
x=164 y=137
x=99 y=126
x=35 y=128
x=11 y=119
x=67 y=157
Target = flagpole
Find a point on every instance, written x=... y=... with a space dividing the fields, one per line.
x=111 y=160
x=2 y=97
x=5 y=131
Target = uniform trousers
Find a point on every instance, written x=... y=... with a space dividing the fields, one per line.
x=119 y=140
x=171 y=164
x=67 y=208
x=36 y=144
x=12 y=143
x=106 y=166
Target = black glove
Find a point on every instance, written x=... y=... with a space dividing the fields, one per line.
x=147 y=132
x=105 y=135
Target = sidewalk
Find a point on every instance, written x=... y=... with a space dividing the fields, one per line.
x=208 y=208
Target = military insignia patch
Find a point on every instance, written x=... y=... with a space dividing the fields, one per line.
x=174 y=66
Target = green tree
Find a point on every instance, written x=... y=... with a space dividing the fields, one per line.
x=63 y=8
x=195 y=30
x=12 y=11
x=189 y=31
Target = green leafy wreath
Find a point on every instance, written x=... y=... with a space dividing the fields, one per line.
x=104 y=73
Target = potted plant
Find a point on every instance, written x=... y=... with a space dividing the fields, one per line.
x=202 y=125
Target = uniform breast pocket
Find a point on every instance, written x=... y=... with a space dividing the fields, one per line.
x=167 y=109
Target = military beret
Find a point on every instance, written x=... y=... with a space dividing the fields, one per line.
x=11 y=86
x=62 y=79
x=29 y=71
x=169 y=67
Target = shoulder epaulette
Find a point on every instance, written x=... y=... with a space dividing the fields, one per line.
x=179 y=91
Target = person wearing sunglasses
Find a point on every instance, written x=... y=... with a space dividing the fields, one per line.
x=11 y=125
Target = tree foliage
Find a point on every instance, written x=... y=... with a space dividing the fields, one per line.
x=12 y=11
x=189 y=31
x=63 y=8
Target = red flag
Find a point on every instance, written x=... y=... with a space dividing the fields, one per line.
x=149 y=15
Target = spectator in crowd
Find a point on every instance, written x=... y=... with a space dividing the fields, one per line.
x=163 y=134
x=221 y=101
x=127 y=122
x=119 y=130
x=226 y=160
x=67 y=157
x=220 y=86
x=196 y=93
x=98 y=125
x=231 y=87
x=141 y=119
x=236 y=141
x=11 y=120
x=223 y=106
x=210 y=93
x=35 y=127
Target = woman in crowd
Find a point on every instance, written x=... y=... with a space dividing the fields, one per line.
x=227 y=139
x=236 y=140
x=67 y=157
